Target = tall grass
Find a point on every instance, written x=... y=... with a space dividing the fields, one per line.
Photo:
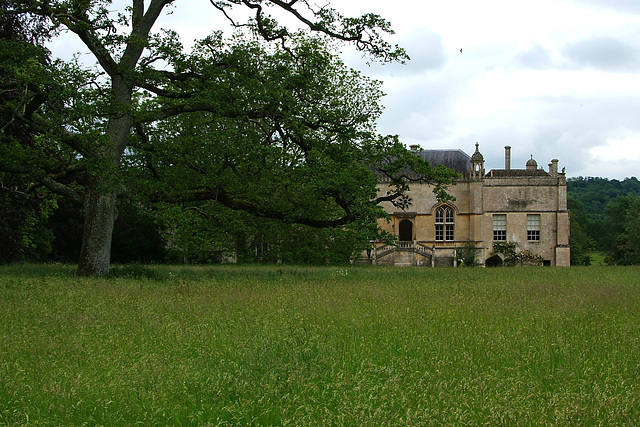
x=277 y=345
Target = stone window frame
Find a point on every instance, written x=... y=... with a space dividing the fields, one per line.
x=533 y=227
x=500 y=227
x=445 y=223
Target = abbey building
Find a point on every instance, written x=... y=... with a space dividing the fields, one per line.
x=524 y=209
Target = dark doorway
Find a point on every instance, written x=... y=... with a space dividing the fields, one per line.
x=405 y=230
x=494 y=261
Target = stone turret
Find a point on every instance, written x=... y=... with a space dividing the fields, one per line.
x=477 y=164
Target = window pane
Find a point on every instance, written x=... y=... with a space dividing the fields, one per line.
x=533 y=222
x=500 y=227
x=449 y=234
x=533 y=227
x=444 y=215
x=449 y=213
x=500 y=222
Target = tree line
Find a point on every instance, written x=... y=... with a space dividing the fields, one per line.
x=605 y=216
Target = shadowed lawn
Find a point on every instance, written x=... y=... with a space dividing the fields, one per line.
x=278 y=345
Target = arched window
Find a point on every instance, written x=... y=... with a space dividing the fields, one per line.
x=405 y=230
x=444 y=223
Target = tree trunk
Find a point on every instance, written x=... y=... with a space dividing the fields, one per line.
x=100 y=215
x=100 y=198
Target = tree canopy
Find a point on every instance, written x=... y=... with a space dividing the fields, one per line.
x=604 y=216
x=268 y=122
x=591 y=199
x=623 y=216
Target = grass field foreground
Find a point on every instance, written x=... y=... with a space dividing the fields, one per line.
x=280 y=345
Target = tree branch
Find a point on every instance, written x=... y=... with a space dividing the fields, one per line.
x=221 y=196
x=142 y=24
x=47 y=181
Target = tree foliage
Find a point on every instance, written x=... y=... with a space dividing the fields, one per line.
x=624 y=221
x=208 y=232
x=24 y=214
x=24 y=208
x=595 y=194
x=579 y=239
x=281 y=130
x=604 y=217
x=468 y=255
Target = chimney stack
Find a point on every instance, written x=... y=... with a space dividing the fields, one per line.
x=553 y=168
x=507 y=157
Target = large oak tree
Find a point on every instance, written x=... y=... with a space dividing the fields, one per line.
x=270 y=123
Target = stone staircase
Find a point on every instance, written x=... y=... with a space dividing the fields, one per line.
x=404 y=254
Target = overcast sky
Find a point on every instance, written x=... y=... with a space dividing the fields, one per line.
x=551 y=78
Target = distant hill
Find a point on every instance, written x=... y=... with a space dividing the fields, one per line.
x=594 y=194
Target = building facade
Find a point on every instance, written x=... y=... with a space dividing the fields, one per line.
x=525 y=208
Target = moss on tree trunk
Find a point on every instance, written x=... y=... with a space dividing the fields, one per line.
x=100 y=215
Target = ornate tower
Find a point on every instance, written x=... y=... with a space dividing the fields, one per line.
x=477 y=164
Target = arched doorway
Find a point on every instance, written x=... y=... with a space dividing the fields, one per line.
x=494 y=261
x=405 y=231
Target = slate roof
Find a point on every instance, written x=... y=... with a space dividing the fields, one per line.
x=457 y=160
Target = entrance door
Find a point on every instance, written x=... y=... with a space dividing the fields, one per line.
x=405 y=231
x=494 y=261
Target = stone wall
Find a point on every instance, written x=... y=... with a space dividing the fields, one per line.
x=515 y=193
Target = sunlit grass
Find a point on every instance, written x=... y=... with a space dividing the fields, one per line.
x=278 y=345
x=597 y=258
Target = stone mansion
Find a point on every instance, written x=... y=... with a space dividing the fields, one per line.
x=525 y=206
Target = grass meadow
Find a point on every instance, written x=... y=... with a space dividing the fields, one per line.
x=351 y=346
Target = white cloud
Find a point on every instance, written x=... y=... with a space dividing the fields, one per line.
x=630 y=6
x=621 y=149
x=552 y=78
x=604 y=53
x=536 y=57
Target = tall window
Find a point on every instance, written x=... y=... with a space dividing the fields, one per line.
x=533 y=227
x=500 y=227
x=444 y=223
